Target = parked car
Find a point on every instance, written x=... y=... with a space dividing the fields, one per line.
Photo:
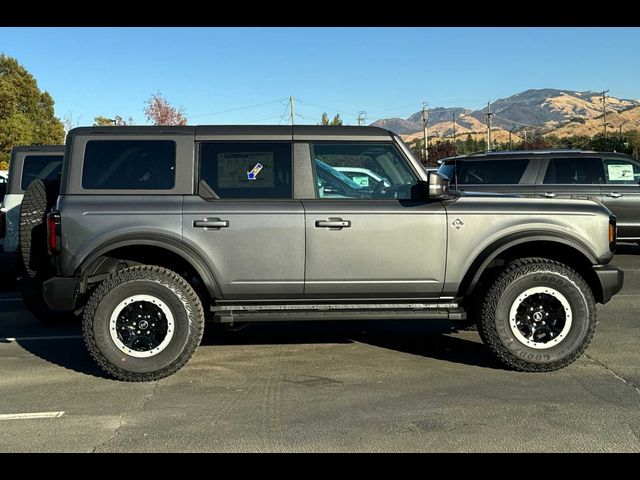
x=3 y=183
x=609 y=178
x=157 y=227
x=28 y=163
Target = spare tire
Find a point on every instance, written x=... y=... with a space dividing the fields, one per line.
x=39 y=199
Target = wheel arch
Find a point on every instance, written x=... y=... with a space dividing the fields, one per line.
x=567 y=250
x=148 y=249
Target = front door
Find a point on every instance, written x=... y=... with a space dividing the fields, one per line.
x=245 y=223
x=371 y=241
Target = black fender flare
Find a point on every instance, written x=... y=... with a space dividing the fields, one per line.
x=489 y=254
x=188 y=253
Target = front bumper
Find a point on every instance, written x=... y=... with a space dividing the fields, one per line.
x=611 y=280
x=61 y=293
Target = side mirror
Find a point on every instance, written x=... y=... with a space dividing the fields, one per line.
x=438 y=185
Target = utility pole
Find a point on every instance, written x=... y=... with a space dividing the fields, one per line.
x=621 y=128
x=604 y=111
x=425 y=121
x=361 y=117
x=292 y=113
x=488 y=115
x=453 y=115
x=511 y=131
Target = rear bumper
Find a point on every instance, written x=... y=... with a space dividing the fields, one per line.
x=611 y=280
x=61 y=293
x=8 y=265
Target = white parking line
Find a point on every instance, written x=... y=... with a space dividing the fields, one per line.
x=21 y=339
x=27 y=416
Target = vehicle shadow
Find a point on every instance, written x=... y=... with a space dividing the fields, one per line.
x=627 y=249
x=430 y=339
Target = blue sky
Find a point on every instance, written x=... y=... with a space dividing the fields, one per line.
x=383 y=71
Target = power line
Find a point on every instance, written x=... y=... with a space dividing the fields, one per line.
x=236 y=109
x=338 y=110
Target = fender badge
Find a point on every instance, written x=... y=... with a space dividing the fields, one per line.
x=458 y=223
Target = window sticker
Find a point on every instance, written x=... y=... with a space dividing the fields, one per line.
x=362 y=180
x=620 y=172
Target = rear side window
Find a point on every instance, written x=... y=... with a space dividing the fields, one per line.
x=247 y=170
x=129 y=165
x=40 y=167
x=621 y=172
x=491 y=172
x=576 y=171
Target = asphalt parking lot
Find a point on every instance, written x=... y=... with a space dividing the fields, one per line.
x=377 y=386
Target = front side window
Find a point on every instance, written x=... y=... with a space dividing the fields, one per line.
x=621 y=172
x=573 y=171
x=129 y=165
x=491 y=172
x=247 y=170
x=40 y=167
x=361 y=171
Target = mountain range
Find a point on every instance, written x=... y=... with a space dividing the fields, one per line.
x=544 y=110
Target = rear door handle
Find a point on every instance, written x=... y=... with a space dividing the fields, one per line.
x=614 y=195
x=211 y=223
x=548 y=195
x=333 y=223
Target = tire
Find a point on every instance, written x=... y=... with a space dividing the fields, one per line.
x=38 y=200
x=564 y=325
x=168 y=297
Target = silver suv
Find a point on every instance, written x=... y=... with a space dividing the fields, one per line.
x=157 y=228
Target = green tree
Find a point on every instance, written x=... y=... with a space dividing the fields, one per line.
x=325 y=119
x=336 y=120
x=26 y=113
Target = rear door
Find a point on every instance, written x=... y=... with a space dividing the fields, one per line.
x=577 y=177
x=245 y=220
x=496 y=175
x=621 y=194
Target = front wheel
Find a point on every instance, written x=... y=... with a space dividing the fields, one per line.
x=143 y=323
x=539 y=315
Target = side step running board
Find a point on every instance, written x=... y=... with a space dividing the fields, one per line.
x=312 y=312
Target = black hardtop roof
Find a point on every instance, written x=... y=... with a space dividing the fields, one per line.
x=506 y=154
x=39 y=148
x=254 y=130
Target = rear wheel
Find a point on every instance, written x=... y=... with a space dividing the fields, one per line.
x=143 y=323
x=539 y=315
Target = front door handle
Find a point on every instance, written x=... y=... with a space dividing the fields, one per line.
x=548 y=195
x=211 y=223
x=333 y=223
x=614 y=195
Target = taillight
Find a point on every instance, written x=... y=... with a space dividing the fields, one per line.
x=54 y=238
x=3 y=223
x=613 y=233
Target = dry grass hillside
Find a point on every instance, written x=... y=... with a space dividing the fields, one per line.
x=629 y=119
x=497 y=134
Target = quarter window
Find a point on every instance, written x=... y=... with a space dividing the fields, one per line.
x=129 y=165
x=621 y=172
x=576 y=171
x=40 y=167
x=361 y=171
x=247 y=170
x=491 y=172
